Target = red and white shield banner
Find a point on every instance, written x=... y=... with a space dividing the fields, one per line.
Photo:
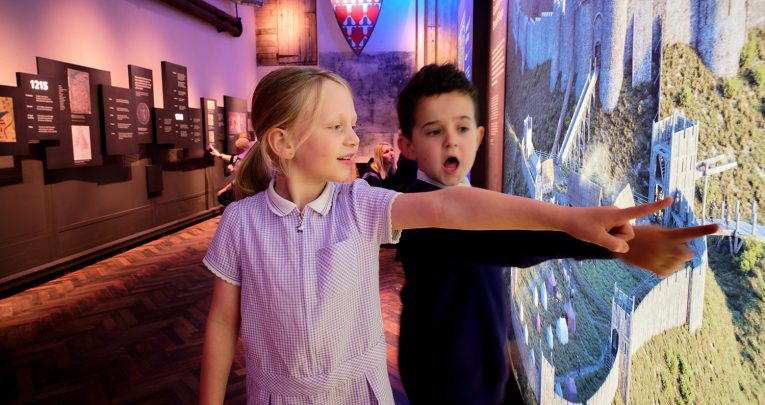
x=357 y=19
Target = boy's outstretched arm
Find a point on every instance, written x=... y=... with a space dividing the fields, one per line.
x=477 y=209
x=221 y=333
x=663 y=250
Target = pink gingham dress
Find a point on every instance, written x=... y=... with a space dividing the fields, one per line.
x=310 y=300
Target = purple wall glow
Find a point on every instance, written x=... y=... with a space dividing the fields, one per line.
x=109 y=35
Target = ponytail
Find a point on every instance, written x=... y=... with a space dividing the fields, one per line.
x=255 y=173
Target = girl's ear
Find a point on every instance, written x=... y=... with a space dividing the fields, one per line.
x=280 y=143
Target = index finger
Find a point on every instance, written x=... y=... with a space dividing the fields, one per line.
x=692 y=232
x=642 y=210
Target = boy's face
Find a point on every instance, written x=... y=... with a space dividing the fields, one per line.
x=445 y=137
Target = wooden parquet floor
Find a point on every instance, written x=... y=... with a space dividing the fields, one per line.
x=129 y=329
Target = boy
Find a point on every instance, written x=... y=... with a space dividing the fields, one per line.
x=454 y=321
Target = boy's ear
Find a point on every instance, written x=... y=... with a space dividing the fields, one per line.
x=479 y=132
x=280 y=143
x=405 y=146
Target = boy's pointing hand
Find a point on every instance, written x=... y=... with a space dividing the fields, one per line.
x=663 y=250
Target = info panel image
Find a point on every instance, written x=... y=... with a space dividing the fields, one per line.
x=623 y=102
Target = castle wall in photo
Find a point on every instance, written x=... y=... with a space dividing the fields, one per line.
x=616 y=34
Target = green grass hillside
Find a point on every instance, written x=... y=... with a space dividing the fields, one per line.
x=723 y=362
x=731 y=113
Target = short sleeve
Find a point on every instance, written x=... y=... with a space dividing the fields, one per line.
x=372 y=212
x=223 y=255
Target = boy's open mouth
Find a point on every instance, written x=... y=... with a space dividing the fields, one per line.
x=451 y=165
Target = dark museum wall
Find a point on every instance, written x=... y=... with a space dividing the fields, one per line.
x=52 y=218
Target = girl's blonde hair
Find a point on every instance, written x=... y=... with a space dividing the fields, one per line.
x=290 y=99
x=377 y=162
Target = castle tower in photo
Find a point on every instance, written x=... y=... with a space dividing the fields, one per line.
x=721 y=34
x=611 y=63
x=672 y=171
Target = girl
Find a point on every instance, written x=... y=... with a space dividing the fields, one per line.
x=380 y=173
x=297 y=261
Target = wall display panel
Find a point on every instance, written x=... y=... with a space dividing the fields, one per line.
x=79 y=89
x=13 y=140
x=46 y=115
x=220 y=132
x=166 y=132
x=175 y=87
x=220 y=128
x=236 y=120
x=118 y=120
x=627 y=102
x=142 y=83
x=165 y=127
x=176 y=98
x=183 y=125
x=195 y=145
x=210 y=123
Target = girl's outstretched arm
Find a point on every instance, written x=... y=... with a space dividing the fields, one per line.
x=477 y=209
x=221 y=333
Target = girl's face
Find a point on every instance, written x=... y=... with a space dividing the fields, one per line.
x=387 y=155
x=327 y=154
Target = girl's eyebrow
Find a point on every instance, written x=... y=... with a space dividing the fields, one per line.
x=342 y=116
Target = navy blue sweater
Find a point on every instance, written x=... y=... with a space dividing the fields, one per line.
x=454 y=321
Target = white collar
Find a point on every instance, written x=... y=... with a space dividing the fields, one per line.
x=424 y=177
x=282 y=206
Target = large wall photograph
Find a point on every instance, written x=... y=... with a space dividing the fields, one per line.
x=620 y=103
